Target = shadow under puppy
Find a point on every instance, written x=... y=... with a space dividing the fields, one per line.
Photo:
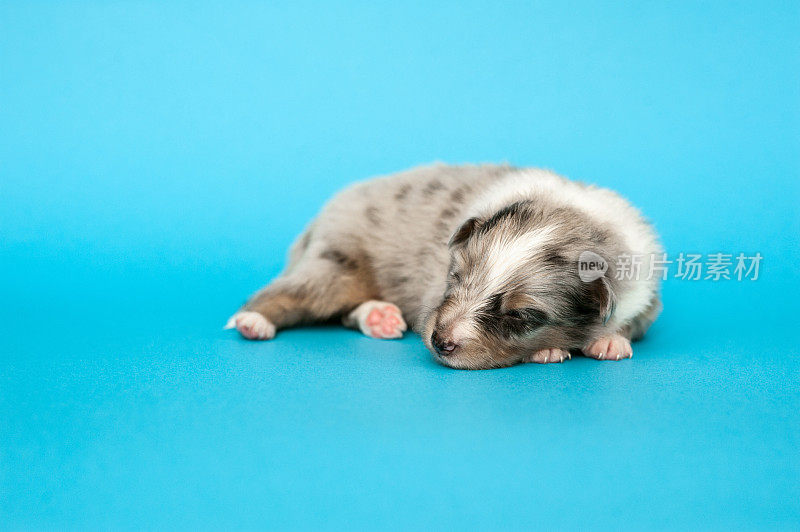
x=482 y=261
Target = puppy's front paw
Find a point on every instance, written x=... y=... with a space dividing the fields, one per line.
x=613 y=347
x=378 y=319
x=546 y=356
x=251 y=325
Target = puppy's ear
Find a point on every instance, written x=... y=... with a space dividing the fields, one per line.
x=602 y=294
x=463 y=233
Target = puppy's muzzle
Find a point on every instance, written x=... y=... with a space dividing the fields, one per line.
x=443 y=345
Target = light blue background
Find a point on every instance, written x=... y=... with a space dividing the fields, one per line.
x=156 y=161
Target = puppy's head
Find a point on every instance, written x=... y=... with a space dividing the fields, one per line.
x=514 y=288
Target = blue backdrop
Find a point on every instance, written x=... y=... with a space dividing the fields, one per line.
x=157 y=159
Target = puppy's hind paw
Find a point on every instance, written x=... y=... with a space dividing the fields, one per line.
x=251 y=325
x=377 y=319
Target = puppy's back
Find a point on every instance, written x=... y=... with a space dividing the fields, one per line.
x=402 y=223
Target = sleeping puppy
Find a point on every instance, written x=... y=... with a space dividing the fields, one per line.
x=491 y=265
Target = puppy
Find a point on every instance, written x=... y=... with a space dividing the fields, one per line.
x=491 y=265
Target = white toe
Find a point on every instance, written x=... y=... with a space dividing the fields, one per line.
x=253 y=325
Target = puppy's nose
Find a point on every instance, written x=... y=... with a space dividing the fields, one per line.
x=444 y=347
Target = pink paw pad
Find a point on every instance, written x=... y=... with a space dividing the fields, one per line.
x=384 y=321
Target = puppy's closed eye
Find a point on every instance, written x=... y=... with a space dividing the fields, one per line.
x=515 y=314
x=530 y=316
